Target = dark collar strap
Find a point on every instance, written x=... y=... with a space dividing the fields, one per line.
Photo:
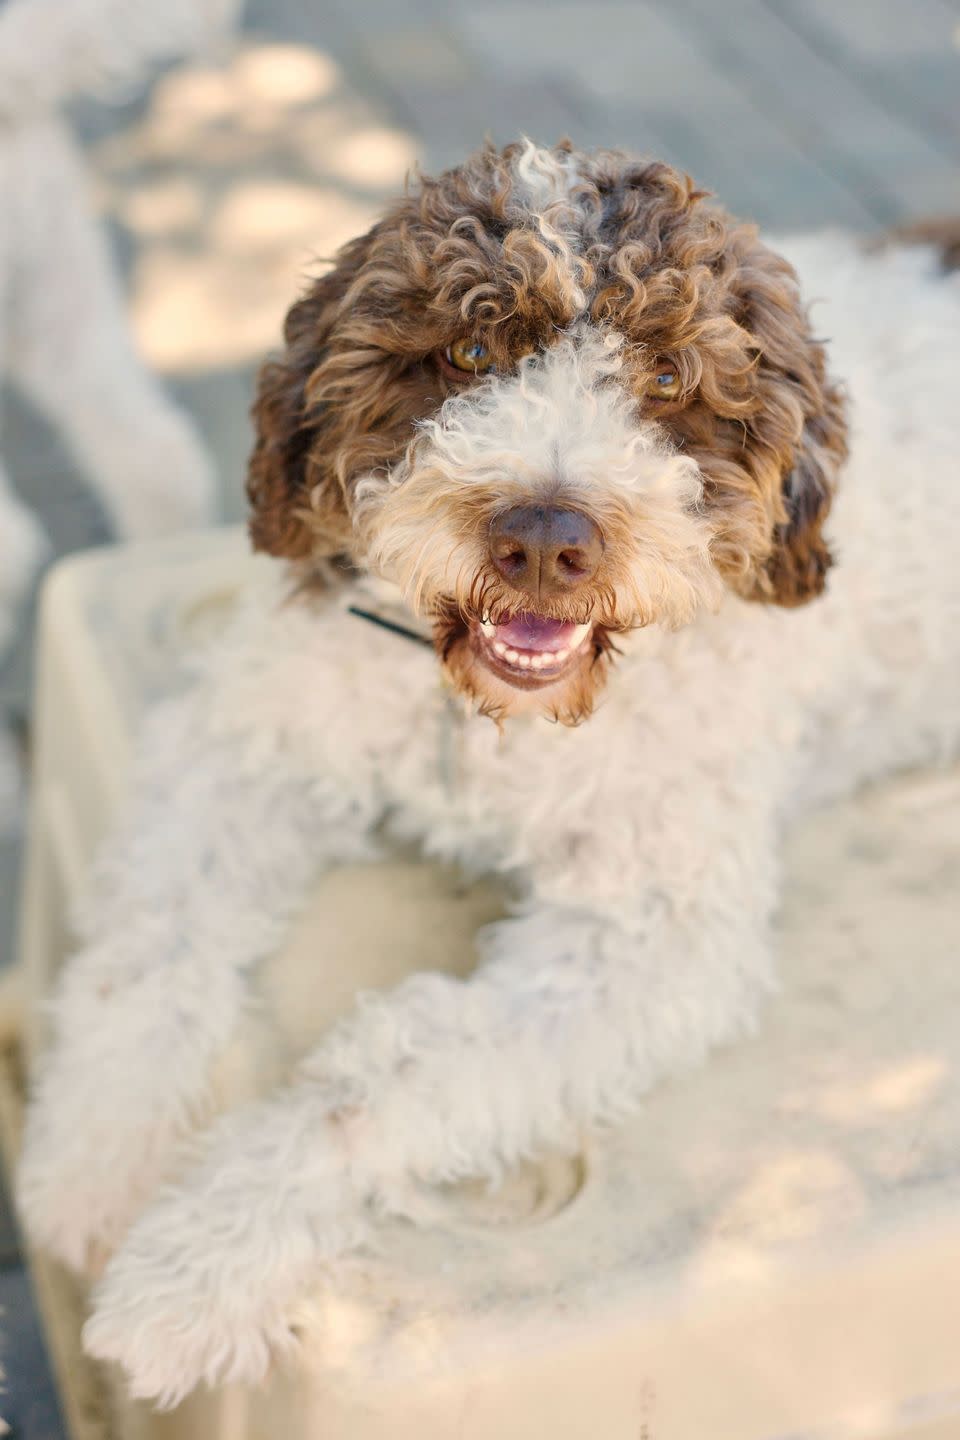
x=390 y=625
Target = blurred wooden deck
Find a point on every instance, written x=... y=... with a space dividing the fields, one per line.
x=797 y=112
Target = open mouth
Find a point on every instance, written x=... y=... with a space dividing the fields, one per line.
x=530 y=649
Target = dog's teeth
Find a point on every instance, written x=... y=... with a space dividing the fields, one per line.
x=512 y=655
x=559 y=656
x=524 y=661
x=500 y=648
x=579 y=635
x=537 y=662
x=488 y=629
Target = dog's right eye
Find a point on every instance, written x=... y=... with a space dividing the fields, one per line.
x=469 y=356
x=666 y=384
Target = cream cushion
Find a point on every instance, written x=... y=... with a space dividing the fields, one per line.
x=770 y=1249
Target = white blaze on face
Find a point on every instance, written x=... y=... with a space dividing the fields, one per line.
x=562 y=430
x=545 y=187
x=544 y=177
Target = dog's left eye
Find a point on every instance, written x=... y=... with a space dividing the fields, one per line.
x=470 y=356
x=666 y=384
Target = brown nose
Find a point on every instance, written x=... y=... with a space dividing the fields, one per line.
x=544 y=549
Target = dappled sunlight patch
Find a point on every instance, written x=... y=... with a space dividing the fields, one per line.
x=236 y=185
x=162 y=207
x=274 y=78
x=910 y=1084
x=260 y=215
x=375 y=156
x=196 y=312
x=786 y=1199
x=905 y=1086
x=192 y=95
x=346 y=1327
x=284 y=74
x=203 y=310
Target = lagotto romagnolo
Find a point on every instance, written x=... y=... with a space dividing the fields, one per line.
x=588 y=425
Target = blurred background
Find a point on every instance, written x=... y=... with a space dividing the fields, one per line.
x=226 y=180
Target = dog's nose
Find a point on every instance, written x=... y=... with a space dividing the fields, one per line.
x=544 y=549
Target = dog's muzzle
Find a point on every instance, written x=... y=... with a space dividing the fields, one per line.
x=548 y=554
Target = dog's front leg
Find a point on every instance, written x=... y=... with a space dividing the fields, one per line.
x=199 y=886
x=575 y=1011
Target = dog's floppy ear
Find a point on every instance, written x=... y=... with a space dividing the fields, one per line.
x=798 y=436
x=800 y=558
x=296 y=502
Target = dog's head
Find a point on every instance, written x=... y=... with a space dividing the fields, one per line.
x=555 y=396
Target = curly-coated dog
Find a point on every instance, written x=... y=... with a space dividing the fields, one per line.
x=581 y=418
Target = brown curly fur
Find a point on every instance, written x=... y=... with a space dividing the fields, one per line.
x=462 y=254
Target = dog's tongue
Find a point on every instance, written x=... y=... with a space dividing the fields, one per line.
x=527 y=631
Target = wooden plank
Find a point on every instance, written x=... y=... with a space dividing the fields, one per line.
x=642 y=75
x=904 y=55
x=452 y=123
x=891 y=167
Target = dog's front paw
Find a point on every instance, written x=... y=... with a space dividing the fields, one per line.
x=173 y=1323
x=112 y=1103
x=203 y=1287
x=91 y=1157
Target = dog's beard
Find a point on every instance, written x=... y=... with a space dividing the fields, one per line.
x=512 y=653
x=523 y=662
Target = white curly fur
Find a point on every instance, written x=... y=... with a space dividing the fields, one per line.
x=561 y=429
x=642 y=848
x=64 y=337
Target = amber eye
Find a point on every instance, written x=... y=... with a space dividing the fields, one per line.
x=470 y=356
x=666 y=384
